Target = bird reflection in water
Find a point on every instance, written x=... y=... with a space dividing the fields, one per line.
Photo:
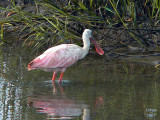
x=58 y=106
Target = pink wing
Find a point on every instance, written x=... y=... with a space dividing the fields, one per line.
x=61 y=56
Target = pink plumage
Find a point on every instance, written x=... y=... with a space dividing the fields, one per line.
x=60 y=57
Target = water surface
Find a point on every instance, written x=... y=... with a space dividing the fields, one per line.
x=96 y=88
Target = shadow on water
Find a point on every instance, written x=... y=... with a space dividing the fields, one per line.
x=98 y=89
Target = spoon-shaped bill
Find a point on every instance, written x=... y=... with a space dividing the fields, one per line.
x=98 y=49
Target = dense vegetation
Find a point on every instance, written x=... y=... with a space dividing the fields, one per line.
x=115 y=23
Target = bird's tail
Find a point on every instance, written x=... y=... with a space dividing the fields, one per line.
x=29 y=67
x=36 y=63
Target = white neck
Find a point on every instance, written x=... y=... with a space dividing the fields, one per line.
x=86 y=44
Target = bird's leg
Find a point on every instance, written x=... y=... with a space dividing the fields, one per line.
x=61 y=76
x=54 y=76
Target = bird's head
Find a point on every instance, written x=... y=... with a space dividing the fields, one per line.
x=87 y=34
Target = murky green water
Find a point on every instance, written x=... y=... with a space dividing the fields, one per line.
x=98 y=89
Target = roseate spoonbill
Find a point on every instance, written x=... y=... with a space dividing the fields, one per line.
x=60 y=57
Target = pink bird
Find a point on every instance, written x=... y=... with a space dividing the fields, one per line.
x=62 y=56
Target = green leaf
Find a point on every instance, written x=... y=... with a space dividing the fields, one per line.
x=109 y=10
x=1 y=8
